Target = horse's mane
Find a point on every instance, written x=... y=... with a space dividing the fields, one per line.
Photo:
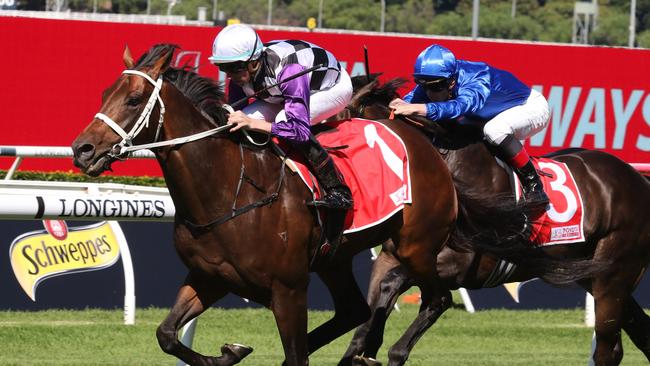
x=204 y=93
x=379 y=93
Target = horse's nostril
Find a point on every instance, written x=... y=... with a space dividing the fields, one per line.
x=84 y=150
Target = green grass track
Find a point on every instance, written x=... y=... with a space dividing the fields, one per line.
x=495 y=337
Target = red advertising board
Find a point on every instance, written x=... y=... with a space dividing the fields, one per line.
x=55 y=72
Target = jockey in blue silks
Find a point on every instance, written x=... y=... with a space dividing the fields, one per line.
x=447 y=88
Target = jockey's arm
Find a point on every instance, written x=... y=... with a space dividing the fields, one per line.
x=416 y=95
x=296 y=109
x=296 y=105
x=471 y=97
x=411 y=104
x=239 y=118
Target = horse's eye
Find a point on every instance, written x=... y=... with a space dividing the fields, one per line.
x=133 y=101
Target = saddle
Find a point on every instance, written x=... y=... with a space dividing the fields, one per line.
x=363 y=150
x=449 y=134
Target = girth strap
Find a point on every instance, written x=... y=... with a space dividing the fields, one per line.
x=234 y=212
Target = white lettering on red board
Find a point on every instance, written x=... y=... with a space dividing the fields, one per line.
x=591 y=118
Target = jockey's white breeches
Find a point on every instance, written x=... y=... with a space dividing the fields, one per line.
x=322 y=103
x=521 y=121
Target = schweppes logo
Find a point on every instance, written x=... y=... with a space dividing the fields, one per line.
x=37 y=255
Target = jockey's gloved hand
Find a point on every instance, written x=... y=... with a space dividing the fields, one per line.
x=409 y=109
x=396 y=102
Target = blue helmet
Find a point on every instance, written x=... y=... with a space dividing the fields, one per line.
x=435 y=62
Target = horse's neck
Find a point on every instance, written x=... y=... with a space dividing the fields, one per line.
x=181 y=117
x=202 y=176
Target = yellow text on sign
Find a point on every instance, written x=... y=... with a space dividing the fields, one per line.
x=37 y=255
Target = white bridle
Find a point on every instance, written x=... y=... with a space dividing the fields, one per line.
x=126 y=145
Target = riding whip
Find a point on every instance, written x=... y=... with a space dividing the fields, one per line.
x=367 y=63
x=257 y=93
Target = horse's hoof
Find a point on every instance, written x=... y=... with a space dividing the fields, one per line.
x=365 y=361
x=237 y=351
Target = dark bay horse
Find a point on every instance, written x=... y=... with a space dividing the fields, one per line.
x=617 y=230
x=242 y=225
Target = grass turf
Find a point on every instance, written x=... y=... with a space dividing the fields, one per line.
x=495 y=337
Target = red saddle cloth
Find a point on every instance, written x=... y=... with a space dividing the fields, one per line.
x=562 y=222
x=373 y=160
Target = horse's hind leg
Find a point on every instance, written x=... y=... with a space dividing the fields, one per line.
x=194 y=296
x=387 y=281
x=611 y=293
x=433 y=306
x=350 y=307
x=637 y=326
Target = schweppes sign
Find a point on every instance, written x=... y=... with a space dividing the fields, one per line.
x=38 y=255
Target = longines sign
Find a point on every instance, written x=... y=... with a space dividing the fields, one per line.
x=93 y=207
x=84 y=207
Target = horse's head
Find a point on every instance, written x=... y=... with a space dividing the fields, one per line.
x=371 y=98
x=128 y=105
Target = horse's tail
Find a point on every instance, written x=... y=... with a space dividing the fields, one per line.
x=496 y=225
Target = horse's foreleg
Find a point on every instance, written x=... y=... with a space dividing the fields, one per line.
x=637 y=326
x=289 y=306
x=350 y=307
x=194 y=296
x=431 y=309
x=387 y=281
x=419 y=259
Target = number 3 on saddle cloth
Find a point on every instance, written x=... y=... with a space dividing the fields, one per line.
x=374 y=163
x=562 y=222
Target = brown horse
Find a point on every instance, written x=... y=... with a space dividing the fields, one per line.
x=616 y=230
x=242 y=224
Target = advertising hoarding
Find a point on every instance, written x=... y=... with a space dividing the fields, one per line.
x=599 y=96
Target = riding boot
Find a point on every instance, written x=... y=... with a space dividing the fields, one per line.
x=532 y=184
x=512 y=152
x=337 y=194
x=337 y=198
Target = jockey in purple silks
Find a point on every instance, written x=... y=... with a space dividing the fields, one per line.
x=290 y=108
x=509 y=110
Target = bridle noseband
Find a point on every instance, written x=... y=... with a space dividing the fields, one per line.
x=126 y=145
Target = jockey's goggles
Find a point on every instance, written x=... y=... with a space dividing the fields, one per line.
x=434 y=85
x=233 y=67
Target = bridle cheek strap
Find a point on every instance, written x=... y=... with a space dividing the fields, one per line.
x=121 y=150
x=143 y=120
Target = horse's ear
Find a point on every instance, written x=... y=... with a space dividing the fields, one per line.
x=162 y=63
x=128 y=59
